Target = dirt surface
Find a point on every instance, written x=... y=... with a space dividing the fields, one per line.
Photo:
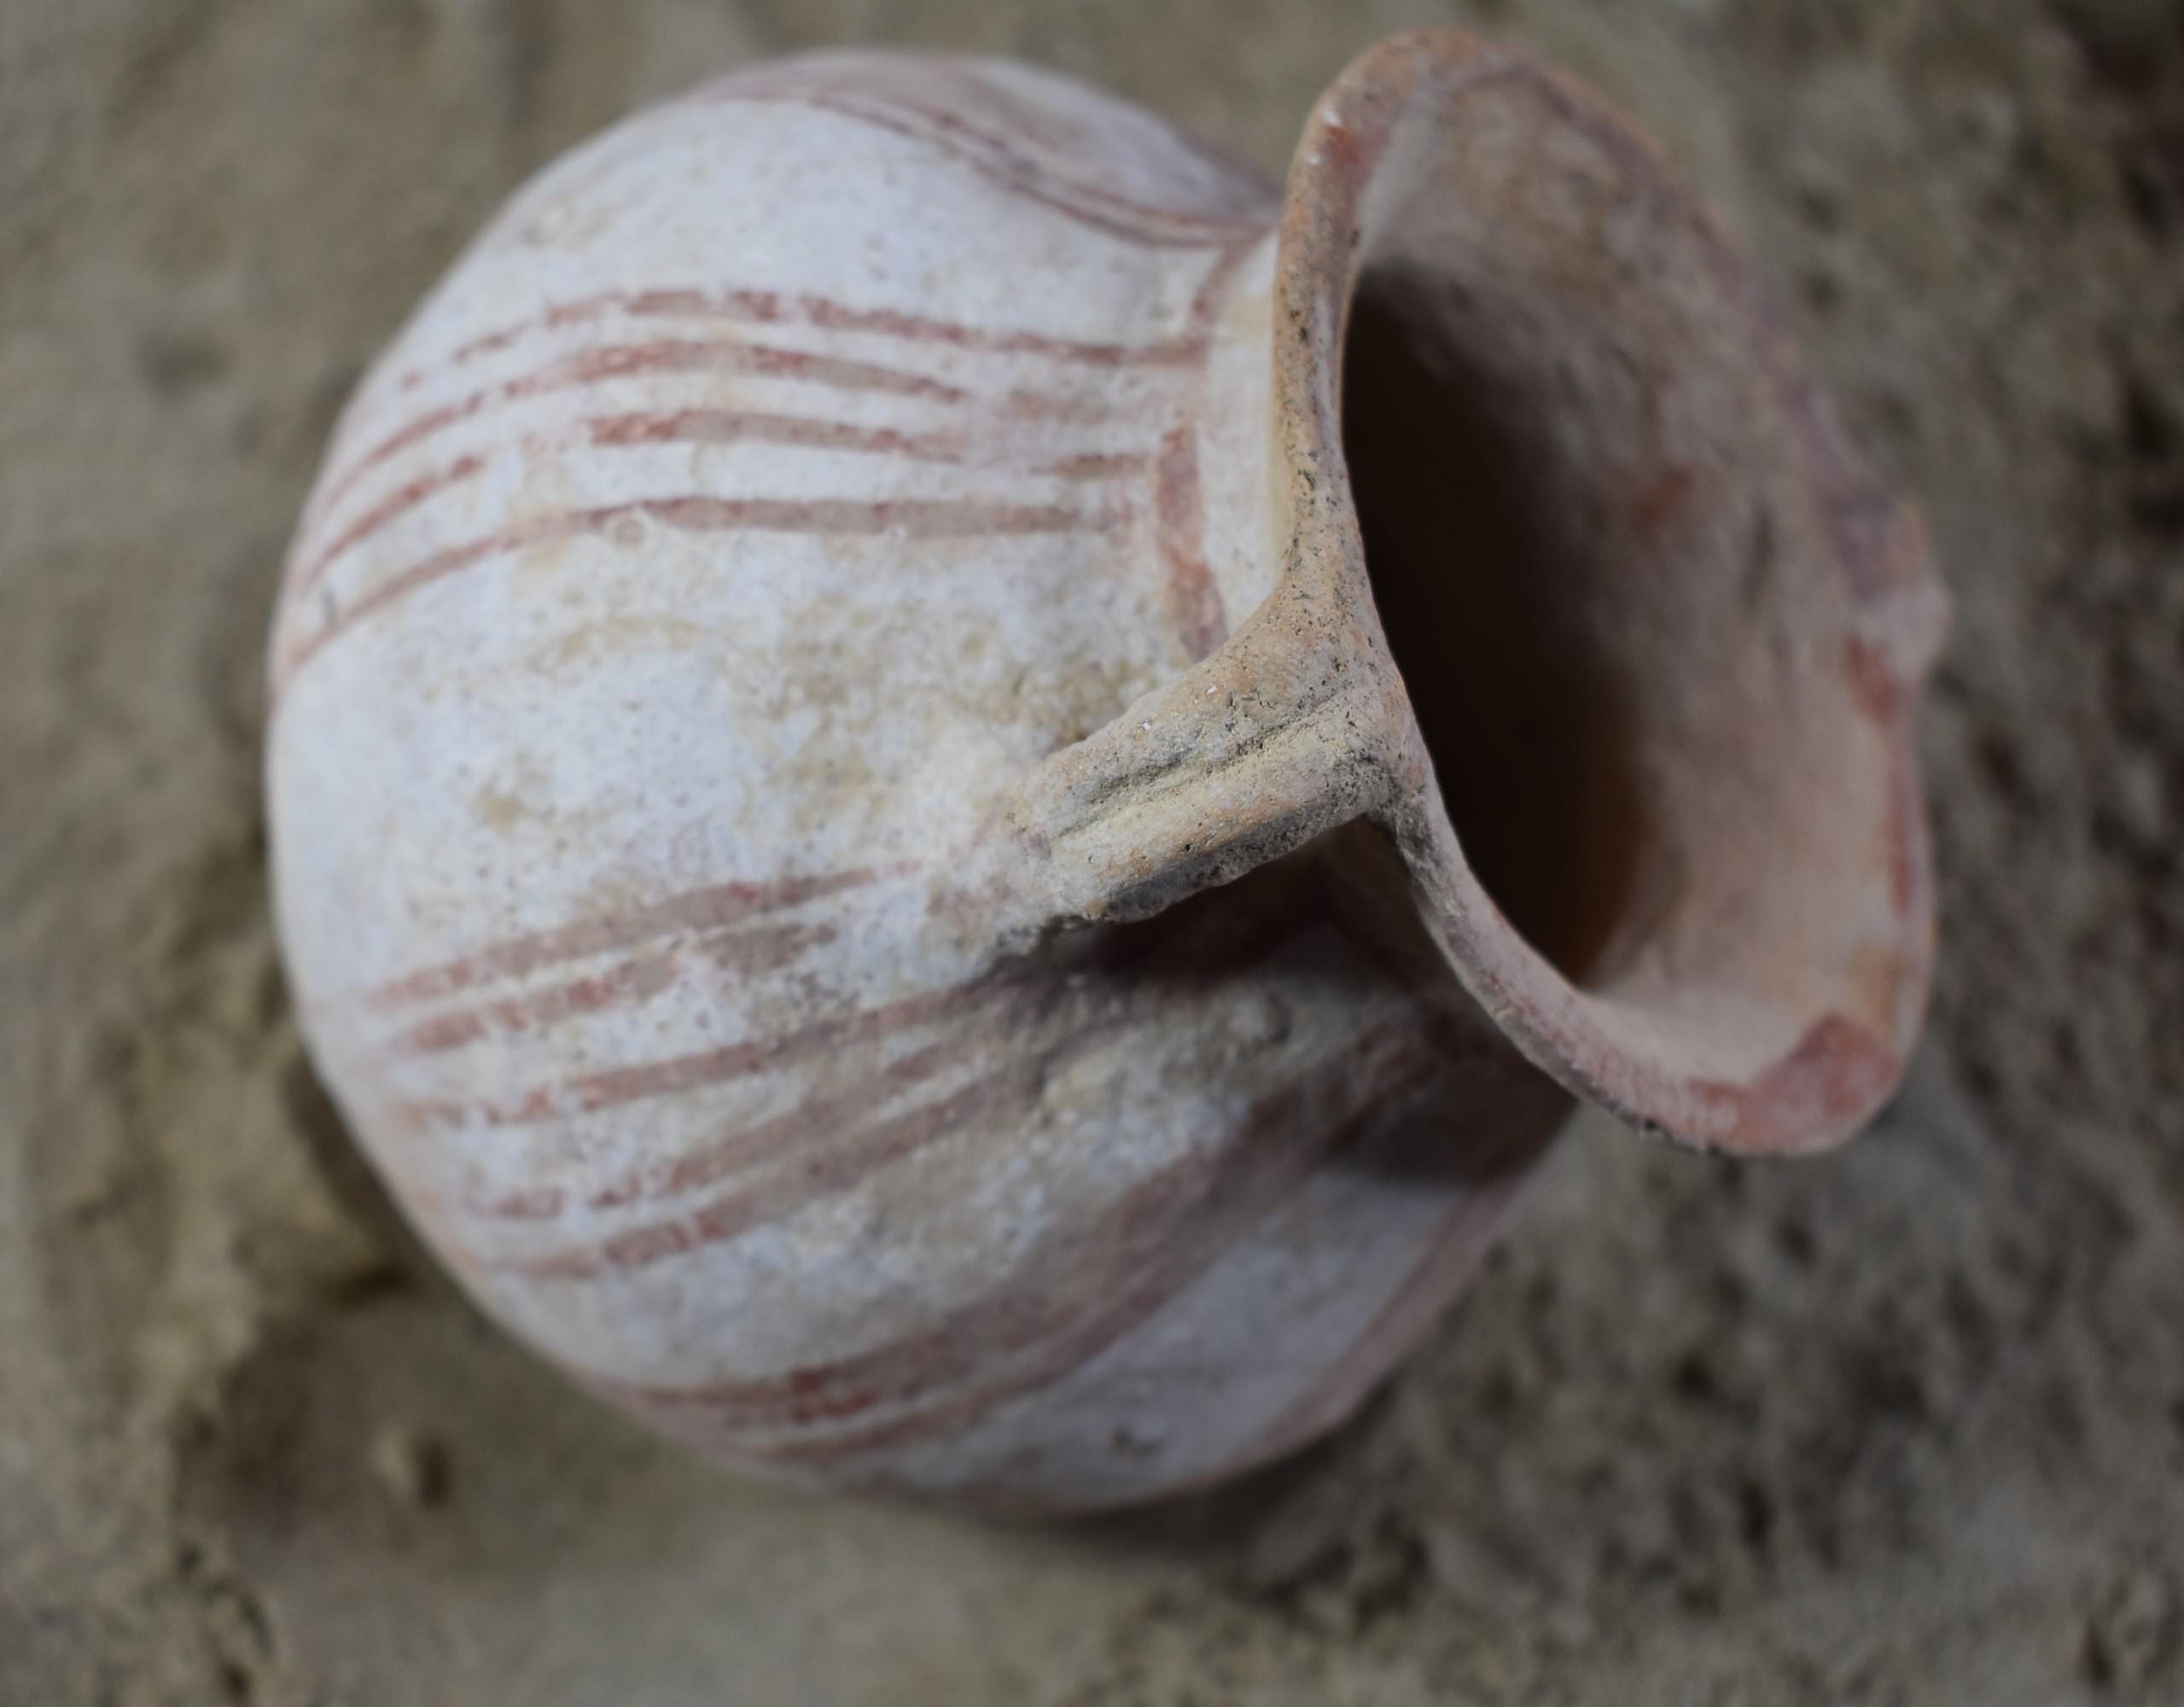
x=1903 y=1424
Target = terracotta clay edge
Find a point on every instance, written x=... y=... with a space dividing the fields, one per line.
x=1839 y=1072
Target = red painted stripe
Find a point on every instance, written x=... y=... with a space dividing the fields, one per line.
x=925 y=328
x=727 y=426
x=952 y=122
x=540 y=1202
x=714 y=907
x=1838 y=1070
x=539 y=531
x=1196 y=609
x=817 y=1117
x=1212 y=294
x=632 y=980
x=1873 y=682
x=1082 y=408
x=993 y=158
x=1002 y=1014
x=994 y=1099
x=1066 y=1283
x=904 y=518
x=399 y=502
x=623 y=361
x=1194 y=598
x=705 y=427
x=673 y=1074
x=1204 y=945
x=778 y=308
x=1097 y=465
x=1114 y=1297
x=742 y=1150
x=738 y=426
x=1239 y=182
x=1082 y=1294
x=635 y=979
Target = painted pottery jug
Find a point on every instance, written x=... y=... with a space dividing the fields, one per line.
x=955 y=794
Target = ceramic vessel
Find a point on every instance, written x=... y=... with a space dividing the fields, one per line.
x=955 y=794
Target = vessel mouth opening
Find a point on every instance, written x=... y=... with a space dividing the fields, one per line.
x=1616 y=553
x=1485 y=591
x=1658 y=629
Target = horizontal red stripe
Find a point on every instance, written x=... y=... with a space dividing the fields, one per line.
x=1200 y=947
x=815 y=1118
x=998 y=1013
x=775 y=308
x=591 y=1092
x=1081 y=1295
x=907 y=518
x=635 y=979
x=704 y=427
x=738 y=426
x=1057 y=1286
x=623 y=361
x=992 y=1099
x=714 y=907
x=1097 y=465
x=401 y=500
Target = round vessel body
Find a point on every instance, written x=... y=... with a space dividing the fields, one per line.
x=838 y=860
x=776 y=479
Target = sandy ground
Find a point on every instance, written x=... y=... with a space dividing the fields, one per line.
x=1903 y=1424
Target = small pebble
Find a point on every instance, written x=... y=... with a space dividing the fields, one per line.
x=2131 y=1635
x=411 y=1466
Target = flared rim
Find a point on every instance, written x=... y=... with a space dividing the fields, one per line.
x=1652 y=1069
